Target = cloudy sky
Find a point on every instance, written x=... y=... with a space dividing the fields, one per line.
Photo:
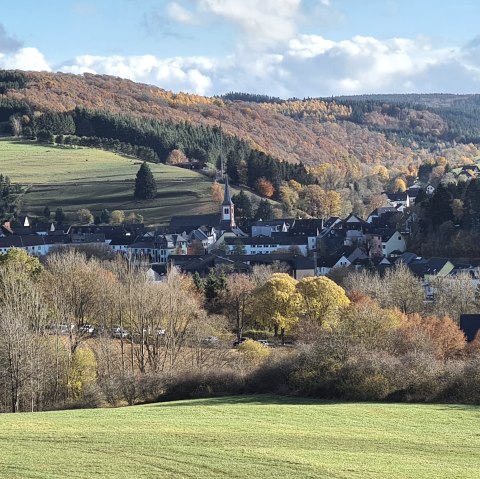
x=282 y=48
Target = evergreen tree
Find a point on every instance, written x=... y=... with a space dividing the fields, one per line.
x=59 y=216
x=198 y=282
x=264 y=211
x=440 y=207
x=243 y=206
x=214 y=284
x=145 y=187
x=46 y=212
x=105 y=216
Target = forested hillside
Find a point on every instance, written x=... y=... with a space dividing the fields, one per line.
x=311 y=131
x=358 y=146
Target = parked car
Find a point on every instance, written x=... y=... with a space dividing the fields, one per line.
x=265 y=343
x=86 y=329
x=60 y=329
x=120 y=333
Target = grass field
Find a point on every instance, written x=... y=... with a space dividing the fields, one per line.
x=74 y=178
x=244 y=437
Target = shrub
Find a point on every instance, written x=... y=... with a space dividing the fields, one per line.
x=254 y=353
x=198 y=384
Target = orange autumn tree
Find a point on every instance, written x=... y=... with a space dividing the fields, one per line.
x=444 y=336
x=264 y=187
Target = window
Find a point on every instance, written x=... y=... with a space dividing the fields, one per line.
x=399 y=238
x=226 y=211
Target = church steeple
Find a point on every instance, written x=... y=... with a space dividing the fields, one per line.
x=228 y=213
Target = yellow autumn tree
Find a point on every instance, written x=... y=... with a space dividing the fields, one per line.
x=365 y=322
x=332 y=204
x=399 y=185
x=321 y=300
x=83 y=371
x=276 y=304
x=216 y=191
x=117 y=217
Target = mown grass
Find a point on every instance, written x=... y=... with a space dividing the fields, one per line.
x=74 y=178
x=244 y=437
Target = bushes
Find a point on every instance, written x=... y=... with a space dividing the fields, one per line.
x=200 y=384
x=359 y=374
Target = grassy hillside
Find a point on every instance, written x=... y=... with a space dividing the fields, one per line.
x=74 y=178
x=242 y=437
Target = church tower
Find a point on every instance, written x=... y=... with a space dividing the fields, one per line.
x=227 y=217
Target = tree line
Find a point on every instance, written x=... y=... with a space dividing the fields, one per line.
x=372 y=338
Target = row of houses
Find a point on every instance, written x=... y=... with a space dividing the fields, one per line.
x=308 y=246
x=204 y=234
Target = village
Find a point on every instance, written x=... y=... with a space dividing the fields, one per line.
x=306 y=247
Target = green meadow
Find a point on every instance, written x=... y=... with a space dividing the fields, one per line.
x=74 y=178
x=244 y=437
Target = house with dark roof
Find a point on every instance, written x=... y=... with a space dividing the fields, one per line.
x=344 y=257
x=297 y=266
x=399 y=200
x=267 y=227
x=168 y=244
x=382 y=217
x=385 y=242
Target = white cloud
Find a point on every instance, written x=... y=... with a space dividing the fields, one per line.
x=308 y=65
x=364 y=64
x=27 y=58
x=262 y=24
x=176 y=12
x=178 y=74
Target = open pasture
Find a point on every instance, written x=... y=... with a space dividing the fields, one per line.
x=244 y=437
x=74 y=178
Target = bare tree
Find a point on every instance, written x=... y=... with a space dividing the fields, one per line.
x=454 y=296
x=21 y=319
x=72 y=284
x=398 y=288
x=237 y=300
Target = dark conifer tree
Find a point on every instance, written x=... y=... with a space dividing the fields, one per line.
x=59 y=216
x=105 y=216
x=264 y=211
x=243 y=206
x=145 y=186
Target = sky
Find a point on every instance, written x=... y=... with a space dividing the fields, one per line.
x=285 y=48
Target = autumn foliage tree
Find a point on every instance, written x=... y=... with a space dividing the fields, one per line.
x=276 y=303
x=444 y=336
x=264 y=187
x=399 y=185
x=175 y=157
x=216 y=191
x=321 y=300
x=365 y=322
x=84 y=216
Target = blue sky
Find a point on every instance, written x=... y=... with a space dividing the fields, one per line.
x=278 y=47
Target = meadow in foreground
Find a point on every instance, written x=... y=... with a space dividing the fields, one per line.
x=244 y=437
